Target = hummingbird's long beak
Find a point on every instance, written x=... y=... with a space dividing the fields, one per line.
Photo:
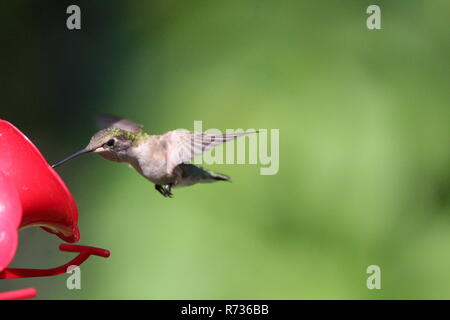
x=76 y=154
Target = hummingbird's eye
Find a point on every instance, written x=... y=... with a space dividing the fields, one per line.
x=111 y=142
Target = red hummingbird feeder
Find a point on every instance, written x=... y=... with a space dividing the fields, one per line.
x=33 y=194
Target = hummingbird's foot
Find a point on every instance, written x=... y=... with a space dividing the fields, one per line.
x=164 y=190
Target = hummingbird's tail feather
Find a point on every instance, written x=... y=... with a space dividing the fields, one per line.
x=219 y=176
x=192 y=174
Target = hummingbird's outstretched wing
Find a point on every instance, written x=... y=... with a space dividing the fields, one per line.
x=107 y=121
x=183 y=145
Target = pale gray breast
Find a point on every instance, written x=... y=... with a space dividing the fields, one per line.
x=151 y=159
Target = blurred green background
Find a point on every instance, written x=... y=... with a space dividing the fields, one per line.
x=364 y=144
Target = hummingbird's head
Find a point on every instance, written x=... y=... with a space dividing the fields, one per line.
x=110 y=143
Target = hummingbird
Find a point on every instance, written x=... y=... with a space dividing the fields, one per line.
x=164 y=160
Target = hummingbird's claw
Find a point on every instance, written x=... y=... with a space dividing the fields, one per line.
x=164 y=190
